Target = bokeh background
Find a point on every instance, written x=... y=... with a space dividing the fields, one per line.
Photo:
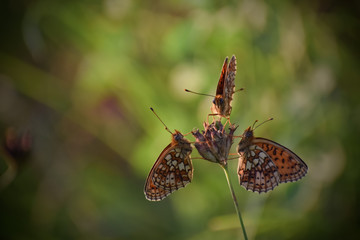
x=77 y=79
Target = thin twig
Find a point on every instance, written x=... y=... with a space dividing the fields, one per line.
x=234 y=199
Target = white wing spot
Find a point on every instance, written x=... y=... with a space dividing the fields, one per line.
x=276 y=174
x=174 y=162
x=168 y=157
x=248 y=166
x=181 y=166
x=262 y=155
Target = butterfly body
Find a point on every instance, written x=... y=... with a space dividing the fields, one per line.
x=264 y=164
x=225 y=89
x=172 y=170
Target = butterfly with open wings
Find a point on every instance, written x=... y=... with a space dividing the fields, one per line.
x=264 y=164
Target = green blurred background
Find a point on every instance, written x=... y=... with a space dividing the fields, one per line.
x=77 y=79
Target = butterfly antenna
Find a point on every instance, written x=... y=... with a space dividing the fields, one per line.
x=166 y=128
x=262 y=123
x=254 y=124
x=203 y=94
x=240 y=89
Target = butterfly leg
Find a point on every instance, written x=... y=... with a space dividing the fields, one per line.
x=213 y=115
x=186 y=134
x=227 y=121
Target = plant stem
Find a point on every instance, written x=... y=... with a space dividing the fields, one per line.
x=234 y=199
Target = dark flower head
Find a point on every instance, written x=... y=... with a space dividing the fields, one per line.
x=214 y=143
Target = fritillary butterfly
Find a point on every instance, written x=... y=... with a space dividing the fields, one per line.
x=225 y=89
x=172 y=170
x=264 y=164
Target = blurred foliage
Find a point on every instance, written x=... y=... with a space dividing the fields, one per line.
x=77 y=79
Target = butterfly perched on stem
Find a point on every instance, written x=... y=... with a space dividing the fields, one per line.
x=225 y=89
x=172 y=170
x=264 y=164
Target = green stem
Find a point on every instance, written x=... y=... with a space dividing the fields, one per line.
x=234 y=199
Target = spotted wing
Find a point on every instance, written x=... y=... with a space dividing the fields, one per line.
x=256 y=170
x=154 y=193
x=290 y=166
x=172 y=170
x=229 y=86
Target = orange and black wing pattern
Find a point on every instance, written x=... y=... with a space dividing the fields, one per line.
x=172 y=170
x=290 y=166
x=264 y=164
x=220 y=86
x=225 y=89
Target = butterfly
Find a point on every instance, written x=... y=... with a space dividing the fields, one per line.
x=172 y=170
x=264 y=164
x=225 y=89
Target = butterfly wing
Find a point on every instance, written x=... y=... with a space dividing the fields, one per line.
x=265 y=164
x=290 y=166
x=229 y=86
x=218 y=106
x=256 y=170
x=172 y=170
x=225 y=88
x=153 y=192
x=220 y=86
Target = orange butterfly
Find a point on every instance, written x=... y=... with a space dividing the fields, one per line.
x=264 y=164
x=172 y=170
x=225 y=89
